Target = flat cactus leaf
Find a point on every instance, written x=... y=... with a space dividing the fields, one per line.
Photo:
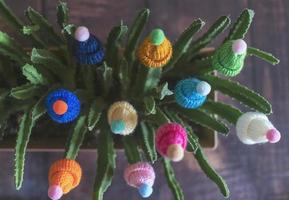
x=23 y=136
x=211 y=173
x=203 y=119
x=29 y=30
x=27 y=122
x=159 y=118
x=9 y=47
x=134 y=34
x=182 y=44
x=26 y=91
x=148 y=142
x=33 y=75
x=241 y=26
x=218 y=27
x=113 y=45
x=46 y=58
x=172 y=181
x=225 y=111
x=149 y=105
x=62 y=14
x=105 y=77
x=162 y=91
x=94 y=113
x=76 y=138
x=240 y=93
x=146 y=80
x=105 y=162
x=37 y=19
x=131 y=149
x=268 y=57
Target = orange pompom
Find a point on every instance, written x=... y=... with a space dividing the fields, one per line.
x=60 y=107
x=64 y=175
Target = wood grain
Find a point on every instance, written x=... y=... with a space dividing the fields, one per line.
x=253 y=173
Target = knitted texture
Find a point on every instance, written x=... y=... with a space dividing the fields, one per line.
x=170 y=134
x=152 y=55
x=255 y=128
x=55 y=104
x=89 y=52
x=226 y=61
x=122 y=117
x=66 y=174
x=139 y=173
x=186 y=94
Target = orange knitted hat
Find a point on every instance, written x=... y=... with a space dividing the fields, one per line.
x=64 y=175
x=156 y=50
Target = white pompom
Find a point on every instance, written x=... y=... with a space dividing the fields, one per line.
x=81 y=34
x=203 y=88
x=239 y=46
x=253 y=128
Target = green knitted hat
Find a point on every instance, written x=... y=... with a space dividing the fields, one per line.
x=229 y=58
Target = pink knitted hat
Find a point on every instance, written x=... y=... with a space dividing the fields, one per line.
x=140 y=175
x=171 y=139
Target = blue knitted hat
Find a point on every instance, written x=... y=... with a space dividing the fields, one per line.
x=89 y=52
x=71 y=100
x=187 y=95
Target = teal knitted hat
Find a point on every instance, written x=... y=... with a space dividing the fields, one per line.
x=229 y=58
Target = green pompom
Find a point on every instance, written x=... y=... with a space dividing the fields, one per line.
x=226 y=61
x=157 y=36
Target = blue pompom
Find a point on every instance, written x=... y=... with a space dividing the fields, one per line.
x=89 y=52
x=117 y=126
x=70 y=99
x=145 y=190
x=186 y=94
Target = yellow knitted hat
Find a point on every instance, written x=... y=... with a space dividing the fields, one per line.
x=122 y=118
x=156 y=50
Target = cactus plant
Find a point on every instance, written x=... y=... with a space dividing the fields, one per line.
x=142 y=75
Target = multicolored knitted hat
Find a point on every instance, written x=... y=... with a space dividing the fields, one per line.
x=122 y=118
x=64 y=175
x=156 y=50
x=229 y=58
x=255 y=128
x=62 y=106
x=171 y=141
x=191 y=93
x=87 y=48
x=140 y=175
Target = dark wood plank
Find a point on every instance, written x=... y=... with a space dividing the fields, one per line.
x=255 y=172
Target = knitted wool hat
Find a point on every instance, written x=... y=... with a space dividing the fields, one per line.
x=171 y=141
x=255 y=127
x=122 y=118
x=62 y=106
x=229 y=58
x=87 y=48
x=191 y=93
x=140 y=175
x=156 y=50
x=64 y=175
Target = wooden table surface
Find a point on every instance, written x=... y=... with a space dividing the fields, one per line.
x=253 y=172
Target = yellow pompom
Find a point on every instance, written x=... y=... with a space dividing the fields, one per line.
x=153 y=54
x=122 y=118
x=175 y=152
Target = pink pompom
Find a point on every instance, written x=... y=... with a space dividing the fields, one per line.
x=239 y=46
x=55 y=192
x=139 y=173
x=169 y=134
x=273 y=135
x=81 y=34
